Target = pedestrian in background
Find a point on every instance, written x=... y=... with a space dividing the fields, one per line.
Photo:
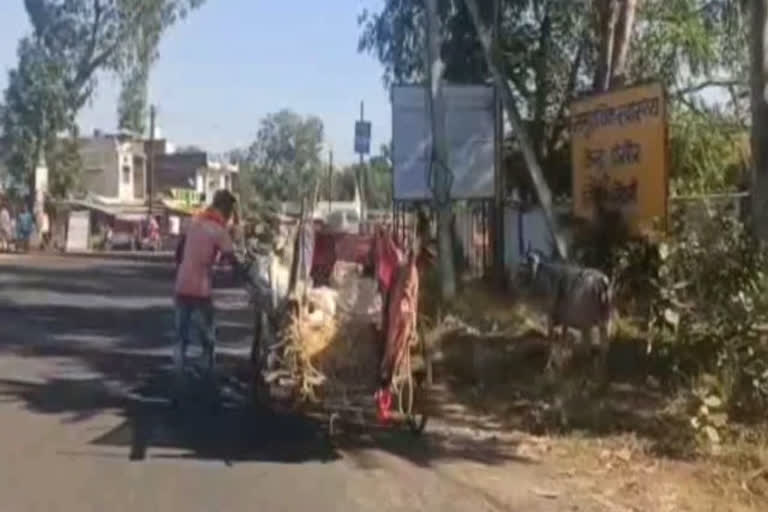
x=45 y=230
x=25 y=225
x=153 y=234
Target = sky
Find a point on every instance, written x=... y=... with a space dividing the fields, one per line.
x=232 y=62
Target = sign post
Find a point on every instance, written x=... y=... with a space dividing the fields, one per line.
x=619 y=159
x=362 y=147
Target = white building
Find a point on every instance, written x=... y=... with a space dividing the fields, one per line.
x=114 y=168
x=198 y=171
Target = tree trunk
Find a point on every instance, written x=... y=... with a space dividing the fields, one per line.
x=607 y=16
x=758 y=81
x=622 y=40
x=529 y=154
x=615 y=21
x=441 y=173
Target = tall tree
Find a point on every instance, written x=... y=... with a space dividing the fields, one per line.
x=71 y=41
x=549 y=52
x=543 y=50
x=284 y=163
x=615 y=21
x=380 y=179
x=440 y=174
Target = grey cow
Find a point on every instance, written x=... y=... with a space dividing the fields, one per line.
x=573 y=297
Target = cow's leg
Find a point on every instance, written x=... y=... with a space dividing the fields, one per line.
x=551 y=342
x=555 y=341
x=604 y=347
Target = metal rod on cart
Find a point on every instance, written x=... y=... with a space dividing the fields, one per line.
x=484 y=228
x=394 y=219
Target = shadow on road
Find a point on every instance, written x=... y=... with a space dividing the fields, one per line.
x=137 y=387
x=104 y=319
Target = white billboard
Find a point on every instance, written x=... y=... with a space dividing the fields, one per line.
x=470 y=123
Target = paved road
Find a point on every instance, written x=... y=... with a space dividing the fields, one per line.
x=84 y=349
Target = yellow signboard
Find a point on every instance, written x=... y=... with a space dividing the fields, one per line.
x=187 y=196
x=619 y=154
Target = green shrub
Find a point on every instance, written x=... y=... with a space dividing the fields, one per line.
x=708 y=303
x=700 y=294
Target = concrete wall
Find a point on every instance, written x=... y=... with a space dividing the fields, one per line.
x=100 y=164
x=125 y=159
x=111 y=168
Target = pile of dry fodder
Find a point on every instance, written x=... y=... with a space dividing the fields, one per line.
x=333 y=343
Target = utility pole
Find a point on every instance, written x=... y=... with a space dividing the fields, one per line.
x=330 y=181
x=361 y=174
x=499 y=188
x=151 y=159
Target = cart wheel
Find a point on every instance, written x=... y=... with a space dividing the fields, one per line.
x=417 y=417
x=409 y=391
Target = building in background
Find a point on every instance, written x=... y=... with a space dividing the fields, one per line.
x=197 y=171
x=114 y=168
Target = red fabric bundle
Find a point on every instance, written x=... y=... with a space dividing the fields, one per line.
x=402 y=306
x=388 y=258
x=323 y=257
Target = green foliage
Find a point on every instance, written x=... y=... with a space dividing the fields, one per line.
x=703 y=294
x=710 y=298
x=36 y=108
x=691 y=45
x=550 y=51
x=542 y=44
x=58 y=63
x=707 y=154
x=379 y=180
x=285 y=163
x=132 y=104
x=65 y=167
x=342 y=184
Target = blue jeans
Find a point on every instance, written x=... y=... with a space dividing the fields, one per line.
x=194 y=318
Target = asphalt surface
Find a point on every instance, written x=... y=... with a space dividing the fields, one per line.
x=86 y=424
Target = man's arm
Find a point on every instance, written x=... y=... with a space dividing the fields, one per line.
x=180 y=249
x=227 y=255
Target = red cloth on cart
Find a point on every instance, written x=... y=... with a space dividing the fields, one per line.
x=388 y=259
x=324 y=256
x=403 y=301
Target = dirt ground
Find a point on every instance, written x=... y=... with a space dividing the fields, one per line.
x=625 y=446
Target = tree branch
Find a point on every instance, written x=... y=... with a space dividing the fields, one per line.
x=90 y=64
x=704 y=85
x=559 y=123
x=94 y=30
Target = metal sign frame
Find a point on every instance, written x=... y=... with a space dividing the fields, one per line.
x=363 y=137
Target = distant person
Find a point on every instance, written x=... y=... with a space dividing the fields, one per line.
x=153 y=234
x=25 y=225
x=6 y=229
x=206 y=237
x=45 y=230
